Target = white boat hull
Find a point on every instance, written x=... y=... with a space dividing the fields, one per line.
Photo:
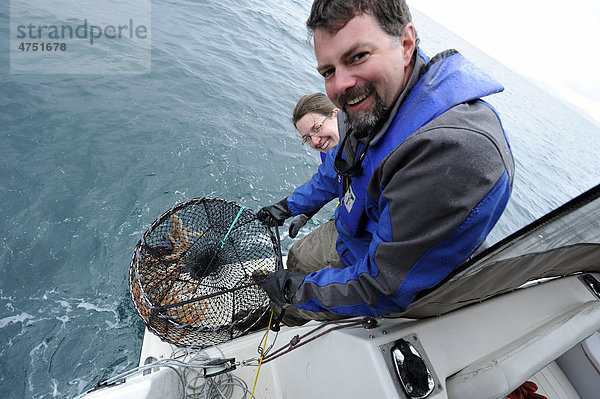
x=484 y=350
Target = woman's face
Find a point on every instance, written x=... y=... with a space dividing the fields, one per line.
x=320 y=131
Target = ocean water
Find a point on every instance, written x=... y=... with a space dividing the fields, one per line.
x=88 y=161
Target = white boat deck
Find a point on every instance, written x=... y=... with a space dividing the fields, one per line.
x=481 y=351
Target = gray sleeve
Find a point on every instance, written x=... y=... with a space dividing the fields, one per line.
x=434 y=180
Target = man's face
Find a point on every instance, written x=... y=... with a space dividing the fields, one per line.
x=364 y=68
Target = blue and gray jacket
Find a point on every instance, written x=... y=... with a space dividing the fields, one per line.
x=435 y=180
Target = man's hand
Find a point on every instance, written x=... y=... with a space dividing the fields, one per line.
x=297 y=223
x=274 y=215
x=282 y=285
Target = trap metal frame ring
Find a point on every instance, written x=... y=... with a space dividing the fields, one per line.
x=193 y=273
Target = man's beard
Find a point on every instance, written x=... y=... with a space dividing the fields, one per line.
x=364 y=122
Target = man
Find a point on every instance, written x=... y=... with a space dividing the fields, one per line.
x=423 y=170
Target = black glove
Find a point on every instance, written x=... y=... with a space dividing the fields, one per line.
x=274 y=215
x=282 y=285
x=297 y=223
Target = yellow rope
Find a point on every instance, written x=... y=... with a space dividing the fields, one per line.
x=262 y=355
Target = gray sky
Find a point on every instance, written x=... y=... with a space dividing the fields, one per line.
x=554 y=43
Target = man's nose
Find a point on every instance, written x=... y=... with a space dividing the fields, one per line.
x=343 y=80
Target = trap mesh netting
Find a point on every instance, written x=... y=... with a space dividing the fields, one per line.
x=192 y=275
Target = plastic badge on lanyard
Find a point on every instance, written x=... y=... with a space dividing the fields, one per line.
x=349 y=199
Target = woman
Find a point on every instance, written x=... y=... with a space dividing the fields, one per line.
x=315 y=118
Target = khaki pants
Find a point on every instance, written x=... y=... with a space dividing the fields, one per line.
x=313 y=252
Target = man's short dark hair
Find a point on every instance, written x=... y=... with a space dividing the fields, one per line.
x=333 y=15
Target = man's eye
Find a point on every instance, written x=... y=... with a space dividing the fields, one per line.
x=327 y=73
x=359 y=57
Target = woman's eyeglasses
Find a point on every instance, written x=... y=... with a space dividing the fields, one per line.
x=315 y=131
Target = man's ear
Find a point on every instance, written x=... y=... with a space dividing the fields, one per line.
x=408 y=43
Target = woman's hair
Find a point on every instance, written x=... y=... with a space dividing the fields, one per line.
x=318 y=103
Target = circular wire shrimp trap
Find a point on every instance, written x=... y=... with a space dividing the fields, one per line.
x=192 y=275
